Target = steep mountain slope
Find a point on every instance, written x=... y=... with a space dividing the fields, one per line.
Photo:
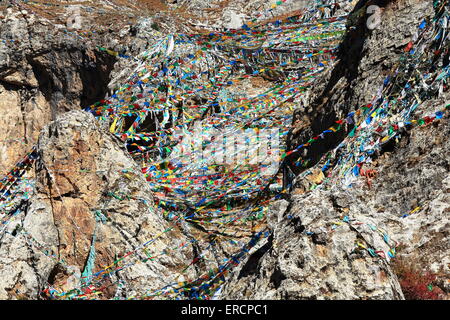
x=329 y=237
x=334 y=185
x=90 y=207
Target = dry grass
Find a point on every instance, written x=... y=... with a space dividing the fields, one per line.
x=126 y=11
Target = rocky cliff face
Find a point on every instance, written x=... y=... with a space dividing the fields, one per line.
x=358 y=208
x=48 y=67
x=43 y=73
x=314 y=253
x=320 y=237
x=90 y=207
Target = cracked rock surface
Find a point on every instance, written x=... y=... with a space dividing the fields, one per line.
x=82 y=175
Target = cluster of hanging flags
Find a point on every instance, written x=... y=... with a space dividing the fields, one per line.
x=190 y=83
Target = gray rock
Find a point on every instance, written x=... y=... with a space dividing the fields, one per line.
x=89 y=194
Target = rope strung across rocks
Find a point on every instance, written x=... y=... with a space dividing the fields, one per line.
x=184 y=81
